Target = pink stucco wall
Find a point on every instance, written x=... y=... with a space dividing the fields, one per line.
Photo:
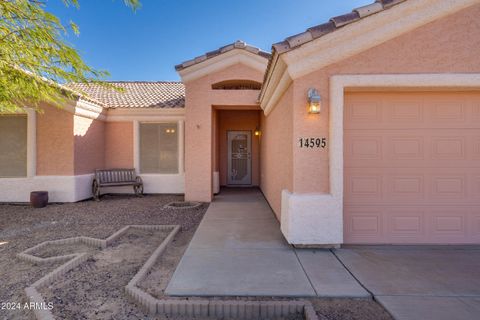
x=119 y=144
x=246 y=120
x=276 y=155
x=448 y=45
x=200 y=100
x=89 y=138
x=68 y=144
x=55 y=145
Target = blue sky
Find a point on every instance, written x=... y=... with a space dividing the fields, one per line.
x=145 y=45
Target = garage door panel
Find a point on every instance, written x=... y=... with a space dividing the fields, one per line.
x=405 y=148
x=400 y=186
x=422 y=110
x=448 y=225
x=412 y=170
x=364 y=186
x=426 y=148
x=448 y=187
x=411 y=224
x=363 y=111
x=475 y=187
x=475 y=224
x=476 y=110
x=476 y=148
x=363 y=223
x=405 y=187
x=446 y=111
x=365 y=147
x=405 y=224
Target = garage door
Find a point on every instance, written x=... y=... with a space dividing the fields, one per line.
x=412 y=168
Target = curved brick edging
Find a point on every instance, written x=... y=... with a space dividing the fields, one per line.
x=76 y=259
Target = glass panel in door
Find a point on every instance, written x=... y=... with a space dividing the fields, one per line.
x=239 y=158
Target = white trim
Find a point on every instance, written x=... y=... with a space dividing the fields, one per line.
x=77 y=188
x=85 y=109
x=60 y=188
x=136 y=146
x=275 y=94
x=181 y=146
x=164 y=183
x=89 y=110
x=31 y=143
x=145 y=114
x=317 y=219
x=357 y=37
x=311 y=219
x=223 y=61
x=155 y=183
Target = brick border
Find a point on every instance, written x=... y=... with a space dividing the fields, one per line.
x=234 y=309
x=73 y=260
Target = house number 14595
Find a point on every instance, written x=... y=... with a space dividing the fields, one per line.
x=313 y=143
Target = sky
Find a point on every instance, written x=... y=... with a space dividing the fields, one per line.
x=146 y=45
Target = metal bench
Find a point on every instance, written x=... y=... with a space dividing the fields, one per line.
x=116 y=178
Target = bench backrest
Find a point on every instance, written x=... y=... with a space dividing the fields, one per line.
x=115 y=175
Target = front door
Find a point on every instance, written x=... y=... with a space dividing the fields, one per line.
x=239 y=158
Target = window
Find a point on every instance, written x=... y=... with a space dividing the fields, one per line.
x=158 y=148
x=13 y=146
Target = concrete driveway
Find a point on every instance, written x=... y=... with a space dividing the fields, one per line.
x=419 y=282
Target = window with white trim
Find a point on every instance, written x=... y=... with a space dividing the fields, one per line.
x=13 y=146
x=158 y=148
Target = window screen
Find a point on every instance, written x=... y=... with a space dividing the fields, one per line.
x=158 y=148
x=13 y=146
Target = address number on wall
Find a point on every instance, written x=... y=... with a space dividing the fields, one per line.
x=313 y=143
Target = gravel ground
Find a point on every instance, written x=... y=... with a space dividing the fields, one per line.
x=349 y=309
x=22 y=227
x=99 y=283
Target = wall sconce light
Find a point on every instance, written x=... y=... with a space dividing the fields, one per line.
x=314 y=101
x=257 y=132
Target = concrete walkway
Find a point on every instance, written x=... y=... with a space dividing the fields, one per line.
x=428 y=283
x=238 y=250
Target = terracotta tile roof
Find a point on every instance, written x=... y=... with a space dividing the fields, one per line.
x=236 y=45
x=334 y=24
x=136 y=94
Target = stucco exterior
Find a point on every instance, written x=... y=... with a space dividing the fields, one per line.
x=119 y=144
x=444 y=46
x=277 y=152
x=199 y=135
x=447 y=45
x=55 y=142
x=89 y=145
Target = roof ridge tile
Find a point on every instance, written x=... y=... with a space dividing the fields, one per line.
x=238 y=44
x=332 y=25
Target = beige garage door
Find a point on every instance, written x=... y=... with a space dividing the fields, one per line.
x=412 y=168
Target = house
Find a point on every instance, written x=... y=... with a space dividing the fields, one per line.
x=392 y=156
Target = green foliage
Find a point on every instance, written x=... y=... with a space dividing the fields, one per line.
x=34 y=58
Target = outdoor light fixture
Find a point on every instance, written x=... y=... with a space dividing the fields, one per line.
x=257 y=132
x=170 y=130
x=314 y=101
